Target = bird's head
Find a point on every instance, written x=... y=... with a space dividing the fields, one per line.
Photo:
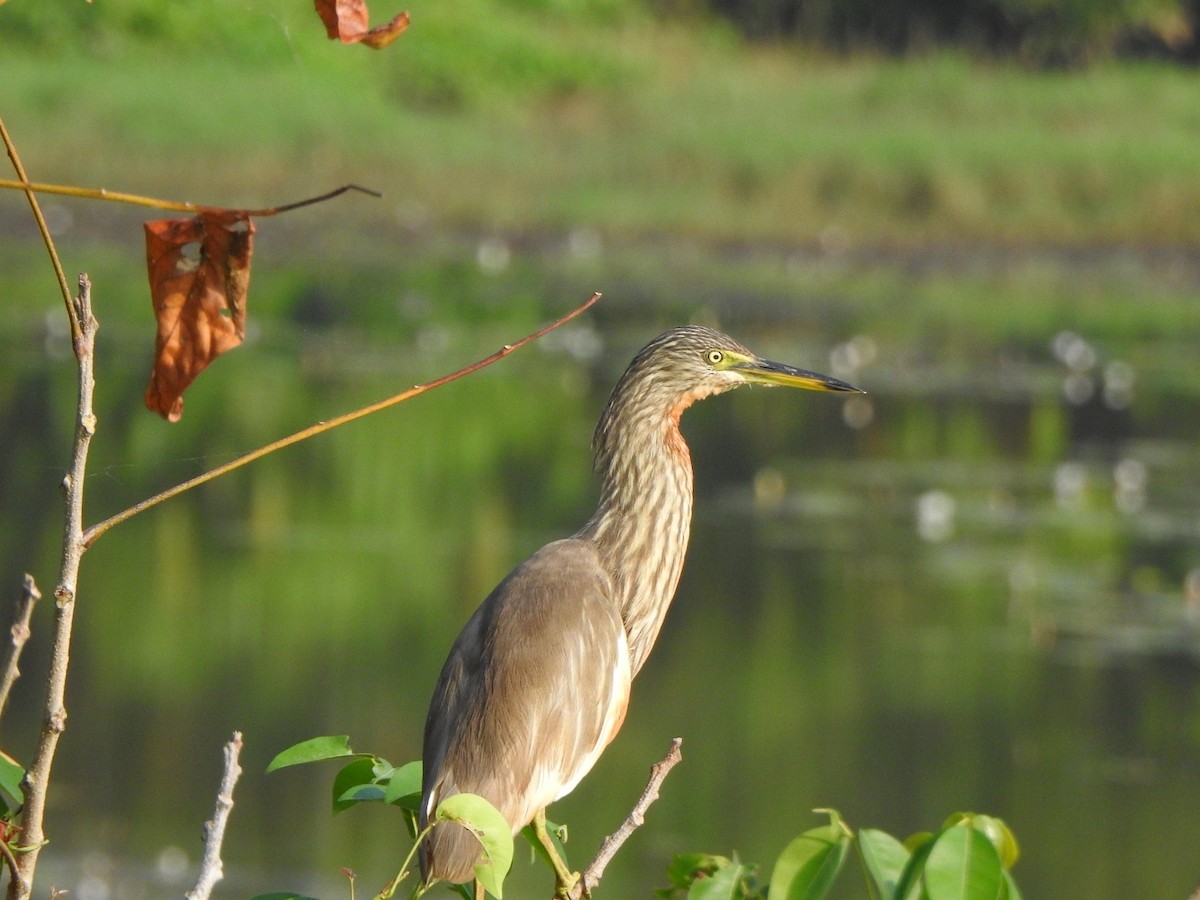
x=688 y=364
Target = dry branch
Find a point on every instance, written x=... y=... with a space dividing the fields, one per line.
x=321 y=427
x=658 y=772
x=18 y=635
x=211 y=868
x=37 y=779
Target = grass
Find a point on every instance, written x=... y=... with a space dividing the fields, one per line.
x=540 y=117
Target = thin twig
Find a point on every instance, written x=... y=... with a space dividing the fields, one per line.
x=211 y=868
x=69 y=190
x=658 y=772
x=37 y=778
x=321 y=427
x=18 y=635
x=76 y=328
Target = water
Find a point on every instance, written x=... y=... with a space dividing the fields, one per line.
x=976 y=588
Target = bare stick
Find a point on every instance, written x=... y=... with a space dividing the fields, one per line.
x=658 y=772
x=18 y=635
x=15 y=158
x=321 y=427
x=37 y=778
x=68 y=190
x=211 y=869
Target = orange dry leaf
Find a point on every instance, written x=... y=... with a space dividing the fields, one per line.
x=199 y=274
x=346 y=20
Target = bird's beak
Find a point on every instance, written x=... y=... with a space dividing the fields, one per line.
x=764 y=371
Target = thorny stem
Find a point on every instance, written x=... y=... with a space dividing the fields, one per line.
x=321 y=427
x=595 y=871
x=18 y=635
x=37 y=778
x=211 y=868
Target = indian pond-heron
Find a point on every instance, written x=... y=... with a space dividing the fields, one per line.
x=537 y=682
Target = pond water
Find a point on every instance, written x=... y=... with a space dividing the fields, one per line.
x=977 y=587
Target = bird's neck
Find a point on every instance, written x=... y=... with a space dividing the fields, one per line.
x=642 y=524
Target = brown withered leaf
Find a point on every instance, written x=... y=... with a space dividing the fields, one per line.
x=199 y=274
x=346 y=21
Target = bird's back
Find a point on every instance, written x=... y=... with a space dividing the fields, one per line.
x=523 y=727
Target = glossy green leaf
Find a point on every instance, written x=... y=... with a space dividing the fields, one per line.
x=11 y=775
x=1001 y=837
x=963 y=865
x=405 y=782
x=725 y=883
x=685 y=868
x=808 y=865
x=313 y=750
x=885 y=859
x=493 y=831
x=909 y=887
x=354 y=777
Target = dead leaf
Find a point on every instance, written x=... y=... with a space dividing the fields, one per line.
x=199 y=274
x=346 y=21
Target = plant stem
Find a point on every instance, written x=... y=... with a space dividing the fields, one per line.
x=18 y=635
x=321 y=427
x=658 y=772
x=36 y=783
x=211 y=868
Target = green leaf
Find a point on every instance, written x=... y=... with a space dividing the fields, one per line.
x=963 y=865
x=11 y=774
x=808 y=865
x=352 y=778
x=725 y=883
x=313 y=750
x=405 y=782
x=909 y=885
x=885 y=859
x=491 y=828
x=1001 y=837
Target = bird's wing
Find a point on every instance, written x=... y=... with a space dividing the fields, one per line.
x=535 y=687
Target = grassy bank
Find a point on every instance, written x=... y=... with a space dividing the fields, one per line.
x=546 y=116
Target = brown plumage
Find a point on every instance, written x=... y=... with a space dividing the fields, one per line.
x=537 y=682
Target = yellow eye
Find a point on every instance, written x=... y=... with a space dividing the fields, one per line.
x=714 y=357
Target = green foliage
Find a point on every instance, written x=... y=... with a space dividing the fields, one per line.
x=491 y=828
x=11 y=774
x=967 y=859
x=371 y=779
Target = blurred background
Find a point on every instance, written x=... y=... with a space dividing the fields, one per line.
x=976 y=587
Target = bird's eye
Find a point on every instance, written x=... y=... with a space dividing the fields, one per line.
x=714 y=357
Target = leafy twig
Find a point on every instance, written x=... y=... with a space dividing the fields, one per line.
x=37 y=778
x=321 y=427
x=211 y=869
x=18 y=635
x=658 y=772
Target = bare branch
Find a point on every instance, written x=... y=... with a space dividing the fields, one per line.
x=37 y=778
x=321 y=427
x=211 y=869
x=658 y=772
x=18 y=635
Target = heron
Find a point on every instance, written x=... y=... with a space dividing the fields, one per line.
x=537 y=683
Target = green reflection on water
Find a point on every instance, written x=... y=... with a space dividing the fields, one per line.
x=960 y=604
